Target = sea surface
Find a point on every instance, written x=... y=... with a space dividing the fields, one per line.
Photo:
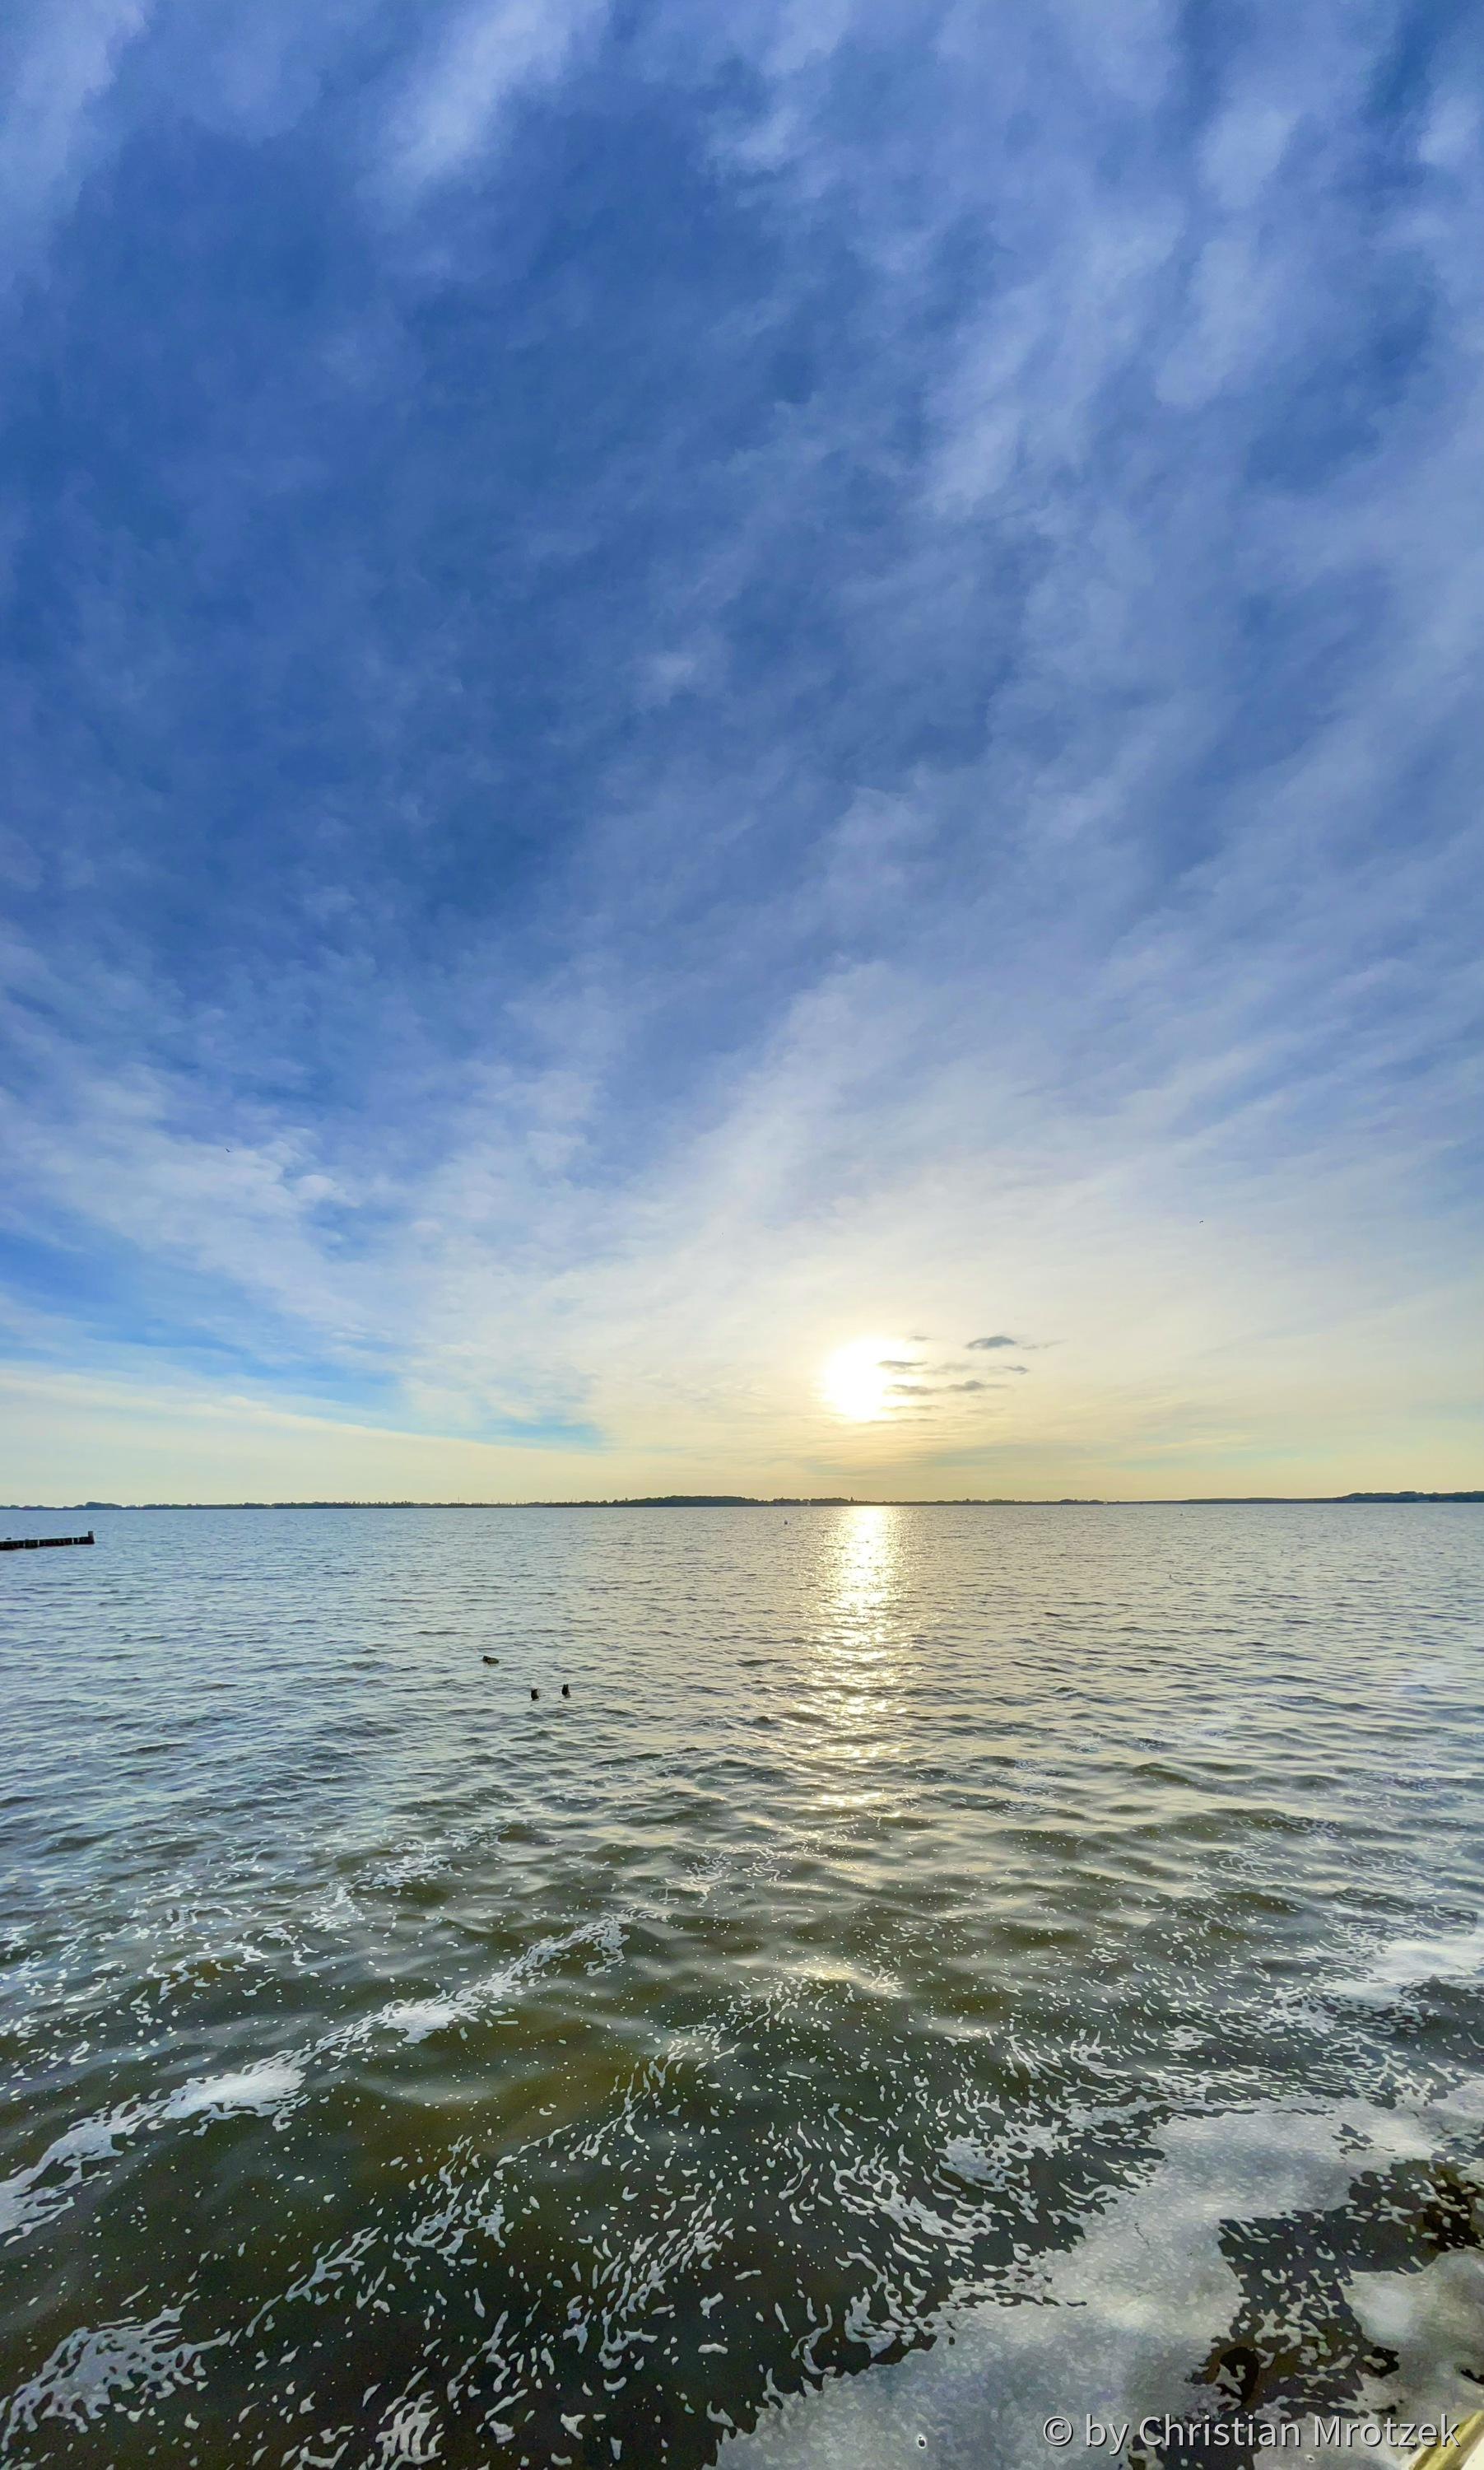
x=939 y=1972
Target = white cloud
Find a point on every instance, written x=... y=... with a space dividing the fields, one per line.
x=1109 y=1034
x=471 y=71
x=58 y=62
x=1244 y=150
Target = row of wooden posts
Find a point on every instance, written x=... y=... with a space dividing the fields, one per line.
x=39 y=1543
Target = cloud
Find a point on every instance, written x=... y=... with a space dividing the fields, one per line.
x=472 y=70
x=59 y=60
x=758 y=722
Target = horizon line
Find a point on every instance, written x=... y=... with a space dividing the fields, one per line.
x=797 y=1501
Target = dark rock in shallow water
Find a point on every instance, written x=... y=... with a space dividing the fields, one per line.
x=565 y=1692
x=492 y=1659
x=535 y=1693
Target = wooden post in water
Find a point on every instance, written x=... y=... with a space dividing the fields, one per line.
x=41 y=1543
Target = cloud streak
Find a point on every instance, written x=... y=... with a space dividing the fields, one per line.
x=661 y=716
x=445 y=121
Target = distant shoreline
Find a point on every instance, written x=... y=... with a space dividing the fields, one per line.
x=783 y=1500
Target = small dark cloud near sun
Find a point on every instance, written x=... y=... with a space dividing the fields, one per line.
x=1000 y=1341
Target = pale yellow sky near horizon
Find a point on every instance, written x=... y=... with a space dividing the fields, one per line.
x=66 y=1439
x=960 y=1335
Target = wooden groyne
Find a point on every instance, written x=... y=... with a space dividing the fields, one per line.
x=41 y=1543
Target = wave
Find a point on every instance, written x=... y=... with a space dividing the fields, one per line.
x=31 y=2198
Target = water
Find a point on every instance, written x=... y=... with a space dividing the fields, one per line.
x=938 y=1968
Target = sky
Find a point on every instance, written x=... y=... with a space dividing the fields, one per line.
x=741 y=747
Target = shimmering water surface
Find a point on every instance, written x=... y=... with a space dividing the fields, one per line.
x=939 y=1968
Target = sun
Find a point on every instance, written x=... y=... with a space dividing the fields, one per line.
x=856 y=1382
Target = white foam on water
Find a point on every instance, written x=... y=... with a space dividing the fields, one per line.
x=1462 y=2105
x=265 y=2086
x=409 y=2432
x=415 y=2019
x=1121 y=2323
x=337 y=1911
x=33 y=2196
x=97 y=2365
x=1408 y=1963
x=1433 y=2320
x=408 y=1868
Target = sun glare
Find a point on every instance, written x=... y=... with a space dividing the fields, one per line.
x=857 y=1380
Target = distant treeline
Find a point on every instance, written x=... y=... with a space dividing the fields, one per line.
x=779 y=1501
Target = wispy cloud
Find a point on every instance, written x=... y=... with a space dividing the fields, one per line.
x=57 y=61
x=827 y=690
x=472 y=69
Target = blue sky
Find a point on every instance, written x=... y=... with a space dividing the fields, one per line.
x=700 y=702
